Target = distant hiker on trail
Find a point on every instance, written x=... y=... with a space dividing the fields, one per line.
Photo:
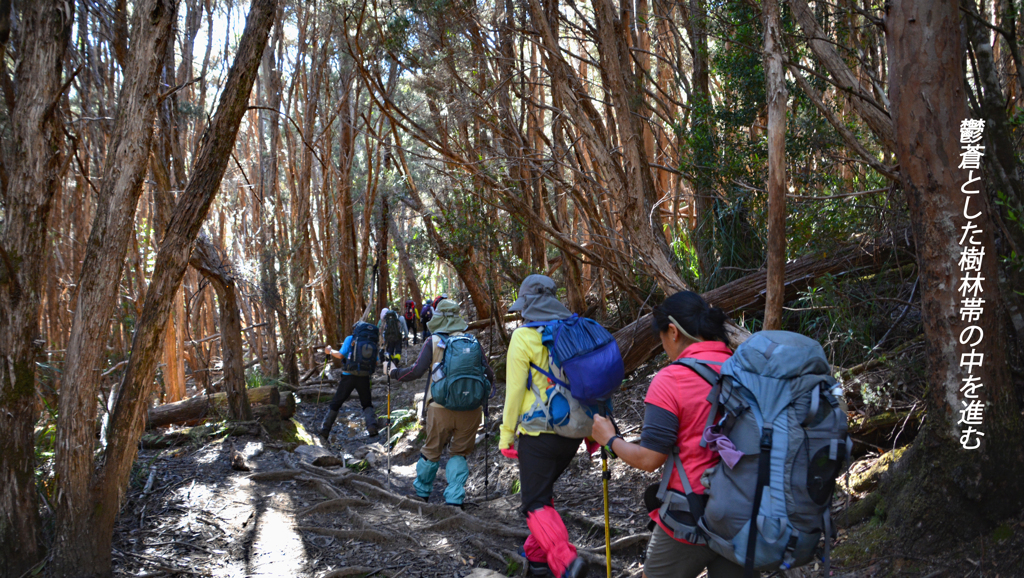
x=425 y=315
x=391 y=331
x=458 y=387
x=543 y=455
x=412 y=319
x=359 y=351
x=676 y=413
x=405 y=330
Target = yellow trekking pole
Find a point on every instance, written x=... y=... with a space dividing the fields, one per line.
x=606 y=475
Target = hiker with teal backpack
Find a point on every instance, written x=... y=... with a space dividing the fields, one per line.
x=458 y=387
x=359 y=352
x=749 y=443
x=560 y=371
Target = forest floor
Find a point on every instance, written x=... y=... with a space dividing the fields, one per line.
x=289 y=517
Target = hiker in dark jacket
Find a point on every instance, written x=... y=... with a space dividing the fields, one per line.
x=543 y=454
x=425 y=315
x=676 y=413
x=359 y=365
x=443 y=426
x=390 y=327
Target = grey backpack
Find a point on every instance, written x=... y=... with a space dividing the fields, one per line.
x=781 y=410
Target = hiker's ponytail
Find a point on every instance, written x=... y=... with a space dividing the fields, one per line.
x=693 y=313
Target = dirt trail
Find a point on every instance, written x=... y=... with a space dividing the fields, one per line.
x=292 y=518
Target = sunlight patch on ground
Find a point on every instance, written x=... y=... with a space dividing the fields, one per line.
x=278 y=549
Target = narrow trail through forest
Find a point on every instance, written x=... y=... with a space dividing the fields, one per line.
x=292 y=517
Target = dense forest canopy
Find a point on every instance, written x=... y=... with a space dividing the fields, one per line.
x=198 y=195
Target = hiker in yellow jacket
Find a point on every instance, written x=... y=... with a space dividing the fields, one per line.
x=543 y=455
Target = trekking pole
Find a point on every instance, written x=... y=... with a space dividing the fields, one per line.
x=486 y=491
x=606 y=475
x=388 y=440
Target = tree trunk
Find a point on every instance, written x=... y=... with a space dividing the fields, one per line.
x=407 y=267
x=383 y=270
x=775 y=79
x=270 y=97
x=112 y=230
x=36 y=163
x=977 y=487
x=206 y=259
x=880 y=123
x=704 y=153
x=83 y=546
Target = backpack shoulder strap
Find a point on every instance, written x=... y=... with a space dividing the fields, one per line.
x=702 y=369
x=673 y=464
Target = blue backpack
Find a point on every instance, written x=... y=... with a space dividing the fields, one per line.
x=587 y=356
x=362 y=355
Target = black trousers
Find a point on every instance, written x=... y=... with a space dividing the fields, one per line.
x=360 y=383
x=542 y=459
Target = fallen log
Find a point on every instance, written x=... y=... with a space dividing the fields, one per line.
x=481 y=324
x=202 y=407
x=317 y=393
x=639 y=344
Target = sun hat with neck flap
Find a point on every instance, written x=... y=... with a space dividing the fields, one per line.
x=538 y=301
x=447 y=318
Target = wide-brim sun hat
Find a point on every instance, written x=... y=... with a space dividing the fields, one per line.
x=447 y=318
x=538 y=300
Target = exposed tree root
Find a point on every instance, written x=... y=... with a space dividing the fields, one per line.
x=275 y=475
x=622 y=543
x=464 y=521
x=335 y=504
x=591 y=524
x=322 y=486
x=436 y=510
x=361 y=535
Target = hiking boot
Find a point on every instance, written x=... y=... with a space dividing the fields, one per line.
x=459 y=506
x=578 y=568
x=370 y=419
x=534 y=568
x=325 y=428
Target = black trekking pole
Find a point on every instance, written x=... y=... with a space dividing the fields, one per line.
x=486 y=491
x=388 y=440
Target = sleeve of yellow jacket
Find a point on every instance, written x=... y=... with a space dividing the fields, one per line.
x=525 y=347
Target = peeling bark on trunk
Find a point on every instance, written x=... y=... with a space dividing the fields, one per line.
x=977 y=487
x=206 y=259
x=112 y=230
x=87 y=552
x=36 y=162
